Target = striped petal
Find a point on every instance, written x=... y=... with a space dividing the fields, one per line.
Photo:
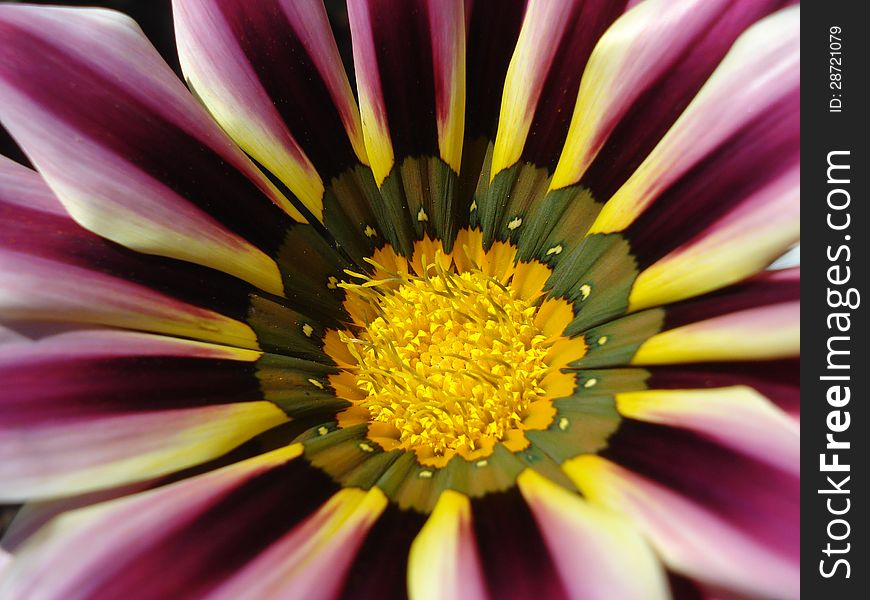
x=130 y=153
x=443 y=562
x=190 y=535
x=757 y=321
x=310 y=561
x=53 y=269
x=247 y=62
x=554 y=44
x=385 y=66
x=33 y=514
x=738 y=417
x=447 y=25
x=410 y=64
x=741 y=243
x=753 y=334
x=88 y=410
x=738 y=96
x=651 y=62
x=778 y=381
x=373 y=110
x=677 y=219
x=714 y=515
x=593 y=548
x=492 y=30
x=541 y=84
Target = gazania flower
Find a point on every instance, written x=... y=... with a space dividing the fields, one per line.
x=493 y=322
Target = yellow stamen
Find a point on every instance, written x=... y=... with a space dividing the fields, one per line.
x=449 y=362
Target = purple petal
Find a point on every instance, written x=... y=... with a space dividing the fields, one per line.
x=128 y=151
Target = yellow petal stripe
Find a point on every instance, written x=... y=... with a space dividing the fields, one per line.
x=437 y=554
x=755 y=334
x=447 y=22
x=373 y=112
x=742 y=245
x=112 y=451
x=541 y=32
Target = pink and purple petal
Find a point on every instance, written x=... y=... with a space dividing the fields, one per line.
x=104 y=119
x=554 y=44
x=737 y=417
x=425 y=118
x=120 y=407
x=776 y=380
x=492 y=30
x=247 y=62
x=373 y=110
x=311 y=560
x=190 y=535
x=725 y=249
x=592 y=548
x=541 y=85
x=755 y=320
x=699 y=213
x=55 y=270
x=641 y=76
x=718 y=516
x=761 y=72
x=34 y=514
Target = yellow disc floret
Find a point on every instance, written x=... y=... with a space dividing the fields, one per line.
x=448 y=362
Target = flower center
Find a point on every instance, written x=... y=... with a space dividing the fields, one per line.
x=451 y=362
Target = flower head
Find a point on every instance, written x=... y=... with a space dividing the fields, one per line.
x=495 y=321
